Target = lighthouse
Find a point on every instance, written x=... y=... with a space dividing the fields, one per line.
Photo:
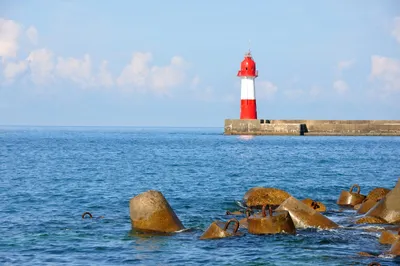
x=248 y=74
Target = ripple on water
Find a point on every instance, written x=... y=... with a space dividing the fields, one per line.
x=50 y=176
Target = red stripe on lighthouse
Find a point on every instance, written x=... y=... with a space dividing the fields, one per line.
x=248 y=109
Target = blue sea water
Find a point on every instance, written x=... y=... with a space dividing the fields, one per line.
x=50 y=176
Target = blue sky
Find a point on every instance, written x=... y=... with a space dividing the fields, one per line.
x=174 y=63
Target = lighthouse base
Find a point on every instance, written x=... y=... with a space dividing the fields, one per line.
x=312 y=127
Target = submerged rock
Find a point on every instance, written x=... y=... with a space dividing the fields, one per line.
x=150 y=211
x=389 y=237
x=395 y=249
x=350 y=198
x=260 y=196
x=303 y=216
x=218 y=229
x=274 y=223
x=316 y=205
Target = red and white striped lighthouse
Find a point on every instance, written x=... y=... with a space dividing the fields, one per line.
x=248 y=74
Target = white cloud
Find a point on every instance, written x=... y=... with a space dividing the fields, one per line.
x=340 y=86
x=345 y=64
x=266 y=89
x=396 y=29
x=9 y=33
x=13 y=69
x=138 y=74
x=32 y=35
x=387 y=71
x=104 y=77
x=76 y=70
x=41 y=65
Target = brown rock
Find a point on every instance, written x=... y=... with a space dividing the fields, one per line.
x=350 y=198
x=389 y=237
x=365 y=254
x=243 y=223
x=316 y=205
x=388 y=208
x=218 y=229
x=234 y=213
x=366 y=205
x=260 y=196
x=395 y=249
x=150 y=211
x=356 y=207
x=378 y=193
x=274 y=223
x=304 y=216
x=370 y=220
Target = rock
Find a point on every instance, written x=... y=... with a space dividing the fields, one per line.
x=366 y=205
x=388 y=208
x=356 y=207
x=395 y=249
x=274 y=223
x=389 y=237
x=260 y=196
x=218 y=229
x=378 y=193
x=350 y=198
x=370 y=220
x=234 y=213
x=365 y=254
x=243 y=223
x=150 y=211
x=304 y=216
x=316 y=205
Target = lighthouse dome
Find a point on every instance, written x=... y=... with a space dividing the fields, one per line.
x=247 y=67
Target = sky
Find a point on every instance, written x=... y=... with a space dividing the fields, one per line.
x=174 y=63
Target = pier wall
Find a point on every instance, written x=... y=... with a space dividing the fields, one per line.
x=312 y=127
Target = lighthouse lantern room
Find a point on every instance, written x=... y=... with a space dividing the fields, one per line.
x=248 y=74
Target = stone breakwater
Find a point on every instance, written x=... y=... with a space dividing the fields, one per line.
x=312 y=127
x=269 y=211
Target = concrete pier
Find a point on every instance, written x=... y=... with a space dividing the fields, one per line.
x=312 y=127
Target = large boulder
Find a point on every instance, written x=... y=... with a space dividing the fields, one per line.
x=260 y=196
x=150 y=211
x=303 y=216
x=351 y=198
x=388 y=208
x=378 y=193
x=388 y=237
x=395 y=249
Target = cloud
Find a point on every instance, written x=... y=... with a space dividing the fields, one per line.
x=266 y=89
x=14 y=69
x=76 y=70
x=345 y=64
x=387 y=71
x=9 y=33
x=41 y=65
x=104 y=77
x=396 y=29
x=340 y=86
x=32 y=35
x=138 y=74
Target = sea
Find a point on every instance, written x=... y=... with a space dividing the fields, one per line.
x=50 y=176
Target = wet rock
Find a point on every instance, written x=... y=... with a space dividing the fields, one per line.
x=243 y=223
x=389 y=237
x=218 y=229
x=274 y=223
x=365 y=254
x=234 y=213
x=388 y=208
x=378 y=193
x=304 y=216
x=370 y=220
x=316 y=205
x=356 y=207
x=260 y=196
x=150 y=211
x=395 y=249
x=366 y=205
x=350 y=198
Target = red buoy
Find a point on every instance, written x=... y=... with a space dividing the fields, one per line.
x=248 y=74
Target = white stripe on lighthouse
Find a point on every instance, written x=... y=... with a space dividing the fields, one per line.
x=247 y=89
